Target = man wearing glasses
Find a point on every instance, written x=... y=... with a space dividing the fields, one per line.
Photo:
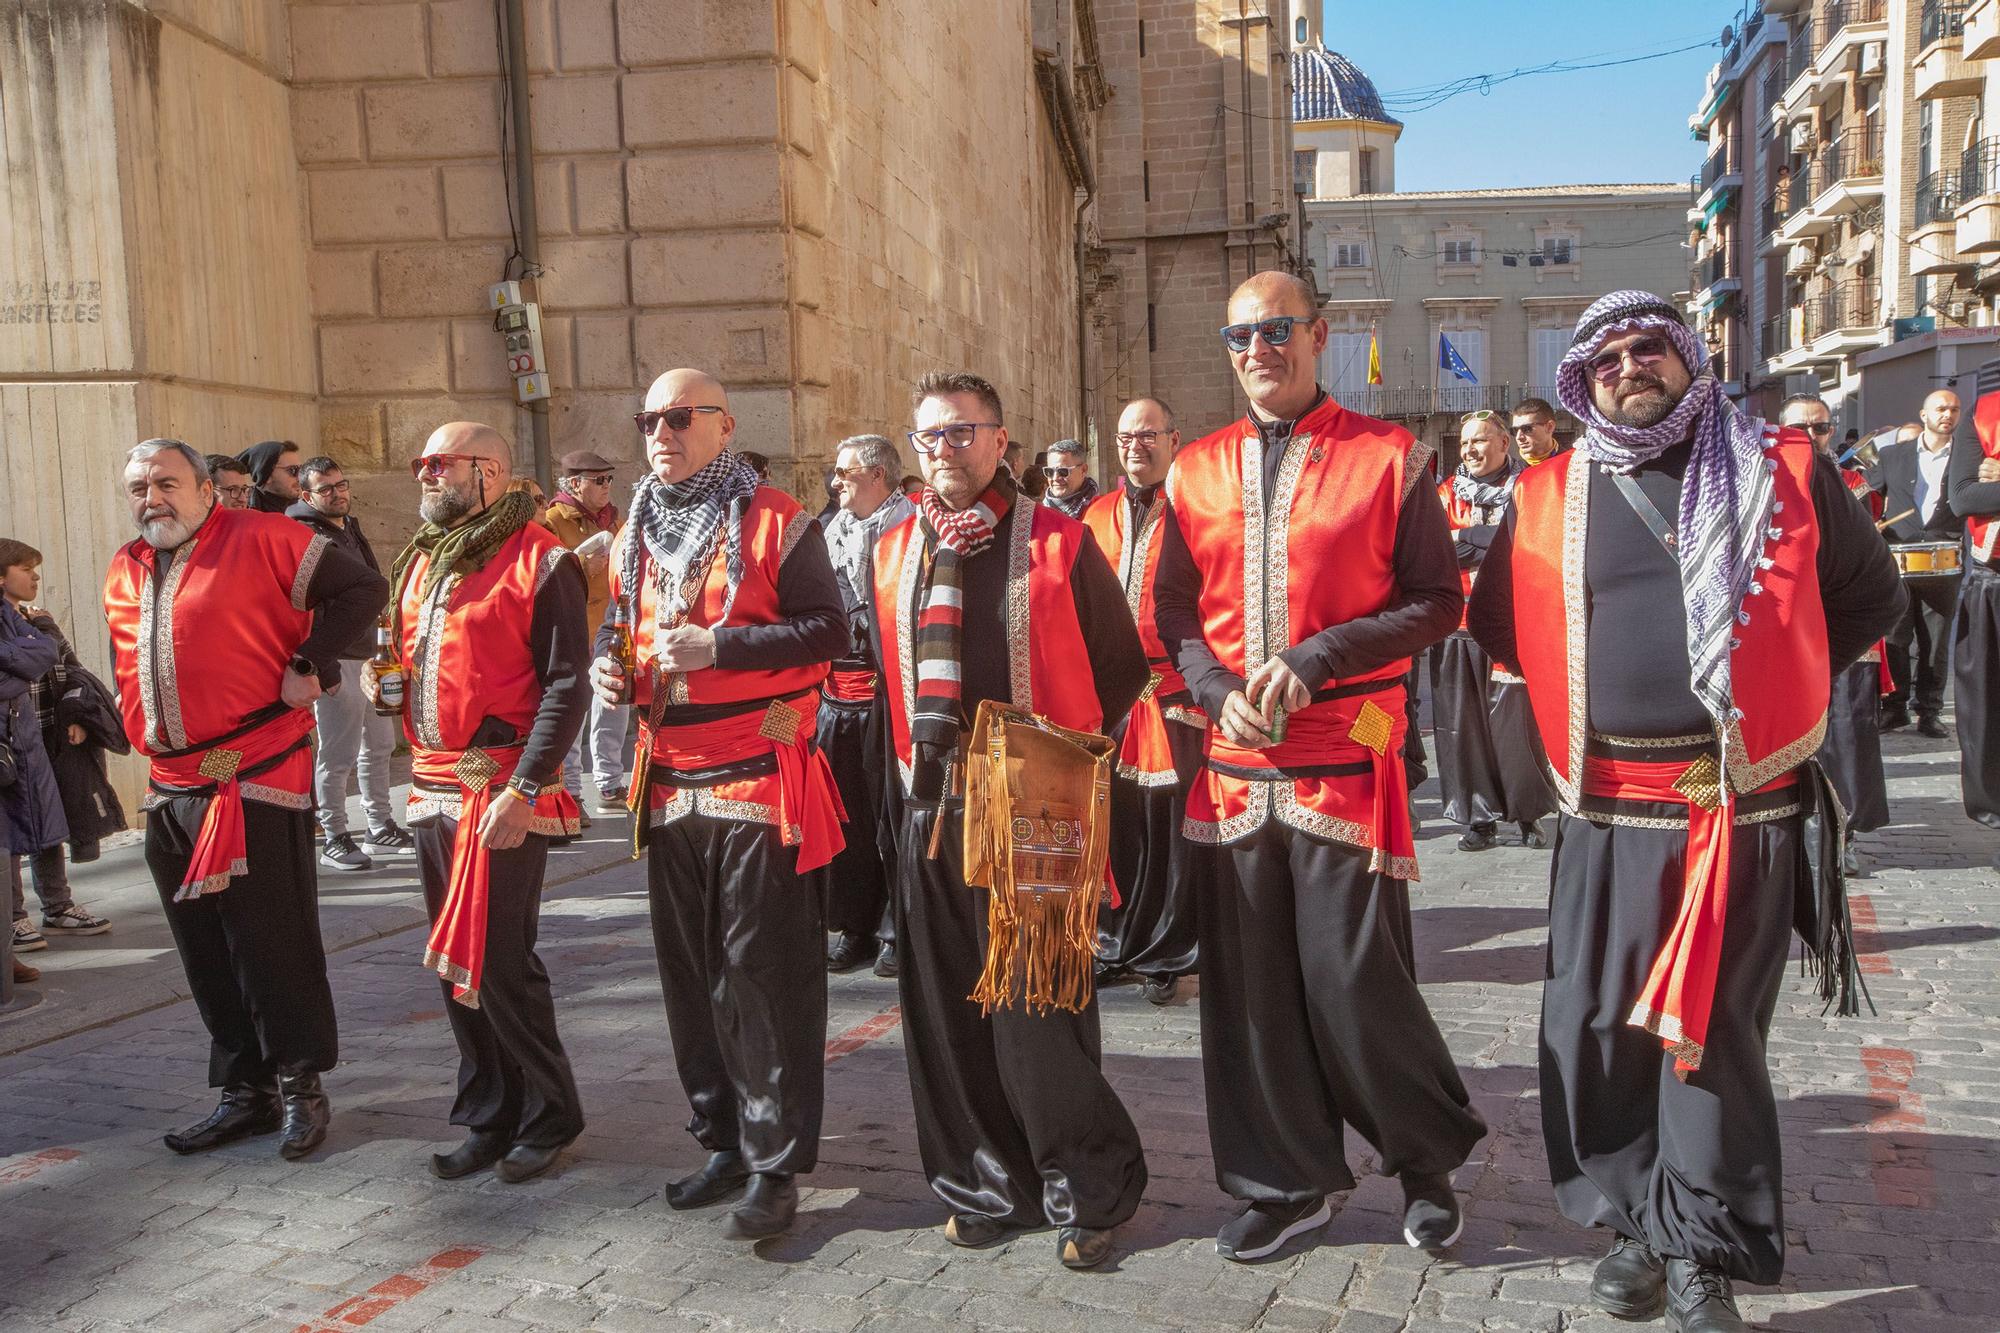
x=1533 y=426
x=585 y=520
x=851 y=725
x=1678 y=593
x=274 y=471
x=353 y=738
x=225 y=626
x=985 y=595
x=233 y=486
x=1071 y=487
x=1151 y=932
x=722 y=589
x=1852 y=754
x=1305 y=563
x=489 y=625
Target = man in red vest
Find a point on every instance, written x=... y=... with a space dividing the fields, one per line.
x=1678 y=591
x=1305 y=563
x=984 y=594
x=722 y=593
x=1152 y=930
x=490 y=624
x=1974 y=481
x=226 y=624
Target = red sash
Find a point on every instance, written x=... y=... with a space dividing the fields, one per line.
x=456 y=950
x=850 y=687
x=219 y=851
x=810 y=811
x=1356 y=728
x=1675 y=1002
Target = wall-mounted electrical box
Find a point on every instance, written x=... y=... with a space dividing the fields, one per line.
x=519 y=324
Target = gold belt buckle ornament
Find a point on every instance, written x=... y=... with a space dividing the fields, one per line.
x=1701 y=782
x=475 y=769
x=220 y=765
x=1372 y=727
x=1152 y=686
x=781 y=723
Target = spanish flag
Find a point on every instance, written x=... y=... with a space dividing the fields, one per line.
x=1374 y=358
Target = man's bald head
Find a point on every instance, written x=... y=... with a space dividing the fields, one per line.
x=1274 y=319
x=472 y=439
x=1274 y=292
x=1940 y=417
x=686 y=423
x=474 y=464
x=687 y=387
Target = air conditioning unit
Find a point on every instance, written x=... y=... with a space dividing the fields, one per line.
x=1801 y=257
x=1871 y=58
x=1956 y=310
x=1801 y=140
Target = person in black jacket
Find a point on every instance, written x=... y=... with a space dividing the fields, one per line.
x=1909 y=475
x=274 y=470
x=37 y=714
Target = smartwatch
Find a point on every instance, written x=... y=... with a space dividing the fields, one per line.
x=527 y=789
x=303 y=665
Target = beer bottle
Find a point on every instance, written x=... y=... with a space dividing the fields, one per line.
x=385 y=669
x=624 y=653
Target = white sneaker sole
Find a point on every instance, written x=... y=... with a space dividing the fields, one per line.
x=1311 y=1222
x=76 y=930
x=1445 y=1244
x=378 y=849
x=325 y=864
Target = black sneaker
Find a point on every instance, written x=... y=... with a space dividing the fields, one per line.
x=1929 y=725
x=1432 y=1219
x=339 y=853
x=1479 y=838
x=1699 y=1299
x=1893 y=719
x=394 y=840
x=1263 y=1228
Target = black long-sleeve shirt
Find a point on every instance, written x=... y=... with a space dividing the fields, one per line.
x=559 y=645
x=811 y=625
x=1637 y=638
x=1968 y=496
x=1423 y=609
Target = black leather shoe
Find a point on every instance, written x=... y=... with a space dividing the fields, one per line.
x=306 y=1114
x=1082 y=1247
x=722 y=1175
x=1928 y=725
x=1699 y=1299
x=1631 y=1281
x=768 y=1207
x=1478 y=838
x=478 y=1152
x=848 y=952
x=974 y=1231
x=1532 y=835
x=525 y=1161
x=1160 y=990
x=885 y=961
x=244 y=1110
x=1893 y=719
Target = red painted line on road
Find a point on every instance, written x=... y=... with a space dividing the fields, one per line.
x=389 y=1293
x=1901 y=1172
x=35 y=1163
x=1867 y=941
x=852 y=1040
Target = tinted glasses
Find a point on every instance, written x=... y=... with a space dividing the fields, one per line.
x=1277 y=331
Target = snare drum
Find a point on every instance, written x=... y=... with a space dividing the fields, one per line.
x=1919 y=560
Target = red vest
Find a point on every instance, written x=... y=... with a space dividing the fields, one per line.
x=1145 y=756
x=1460 y=514
x=1983 y=530
x=1778 y=664
x=1271 y=577
x=208 y=647
x=1045 y=650
x=466 y=647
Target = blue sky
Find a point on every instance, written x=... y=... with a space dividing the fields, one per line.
x=1627 y=123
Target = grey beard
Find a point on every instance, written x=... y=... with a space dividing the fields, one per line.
x=170 y=534
x=444 y=509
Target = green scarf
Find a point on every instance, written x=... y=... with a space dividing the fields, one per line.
x=463 y=549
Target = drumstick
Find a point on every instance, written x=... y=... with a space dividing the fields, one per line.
x=1894 y=518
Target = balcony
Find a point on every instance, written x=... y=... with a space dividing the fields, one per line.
x=1941 y=69
x=1933 y=238
x=1977 y=217
x=1826 y=323
x=1982 y=30
x=1401 y=402
x=1712 y=281
x=1845 y=174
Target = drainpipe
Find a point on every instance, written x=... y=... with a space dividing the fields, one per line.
x=524 y=207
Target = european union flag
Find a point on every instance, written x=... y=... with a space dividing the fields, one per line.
x=1449 y=359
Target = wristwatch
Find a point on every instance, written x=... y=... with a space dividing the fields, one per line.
x=527 y=789
x=303 y=665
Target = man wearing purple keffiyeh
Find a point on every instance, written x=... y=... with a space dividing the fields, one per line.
x=1680 y=747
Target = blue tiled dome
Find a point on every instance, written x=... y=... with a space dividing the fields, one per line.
x=1327 y=86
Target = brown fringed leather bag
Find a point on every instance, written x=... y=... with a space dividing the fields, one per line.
x=1037 y=837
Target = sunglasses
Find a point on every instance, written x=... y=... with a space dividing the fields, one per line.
x=1276 y=331
x=436 y=465
x=1606 y=368
x=599 y=478
x=1523 y=427
x=1483 y=414
x=289 y=469
x=847 y=473
x=1817 y=427
x=1063 y=472
x=678 y=419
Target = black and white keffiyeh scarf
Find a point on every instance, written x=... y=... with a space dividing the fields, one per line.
x=1725 y=498
x=677 y=523
x=1482 y=494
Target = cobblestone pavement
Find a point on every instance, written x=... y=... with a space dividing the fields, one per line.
x=1892 y=1124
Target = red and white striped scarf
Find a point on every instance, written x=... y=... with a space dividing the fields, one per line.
x=954 y=536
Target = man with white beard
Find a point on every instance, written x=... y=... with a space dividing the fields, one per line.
x=226 y=624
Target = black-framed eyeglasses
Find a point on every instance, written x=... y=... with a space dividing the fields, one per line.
x=678 y=419
x=236 y=492
x=1277 y=331
x=1608 y=366
x=960 y=436
x=596 y=478
x=1817 y=427
x=1128 y=438
x=331 y=488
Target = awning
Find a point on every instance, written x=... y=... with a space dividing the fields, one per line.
x=1711 y=108
x=1716 y=300
x=1722 y=199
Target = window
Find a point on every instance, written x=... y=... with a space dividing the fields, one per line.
x=1455 y=394
x=1344 y=371
x=1304 y=163
x=1142 y=39
x=1461 y=252
x=1546 y=351
x=1557 y=250
x=1367 y=171
x=1350 y=254
x=1145 y=180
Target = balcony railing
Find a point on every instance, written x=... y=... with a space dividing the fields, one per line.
x=1851 y=156
x=1942 y=20
x=1400 y=401
x=1845 y=305
x=1937 y=198
x=1979 y=170
x=1715 y=167
x=1713 y=270
x=1775 y=339
x=1799 y=50
x=1839 y=14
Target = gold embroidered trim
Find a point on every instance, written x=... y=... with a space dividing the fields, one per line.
x=1278 y=546
x=906 y=613
x=781 y=723
x=1020 y=673
x=1667 y=1030
x=1373 y=728
x=698 y=801
x=1415 y=465
x=795 y=531
x=1236 y=827
x=547 y=568
x=278 y=796
x=220 y=765
x=1250 y=464
x=308 y=563
x=1134 y=559
x=1654 y=742
x=1134 y=774
x=1600 y=816
x=162 y=706
x=1329 y=829
x=1187 y=715
x=1701 y=783
x=1576 y=623
x=431 y=618
x=475 y=769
